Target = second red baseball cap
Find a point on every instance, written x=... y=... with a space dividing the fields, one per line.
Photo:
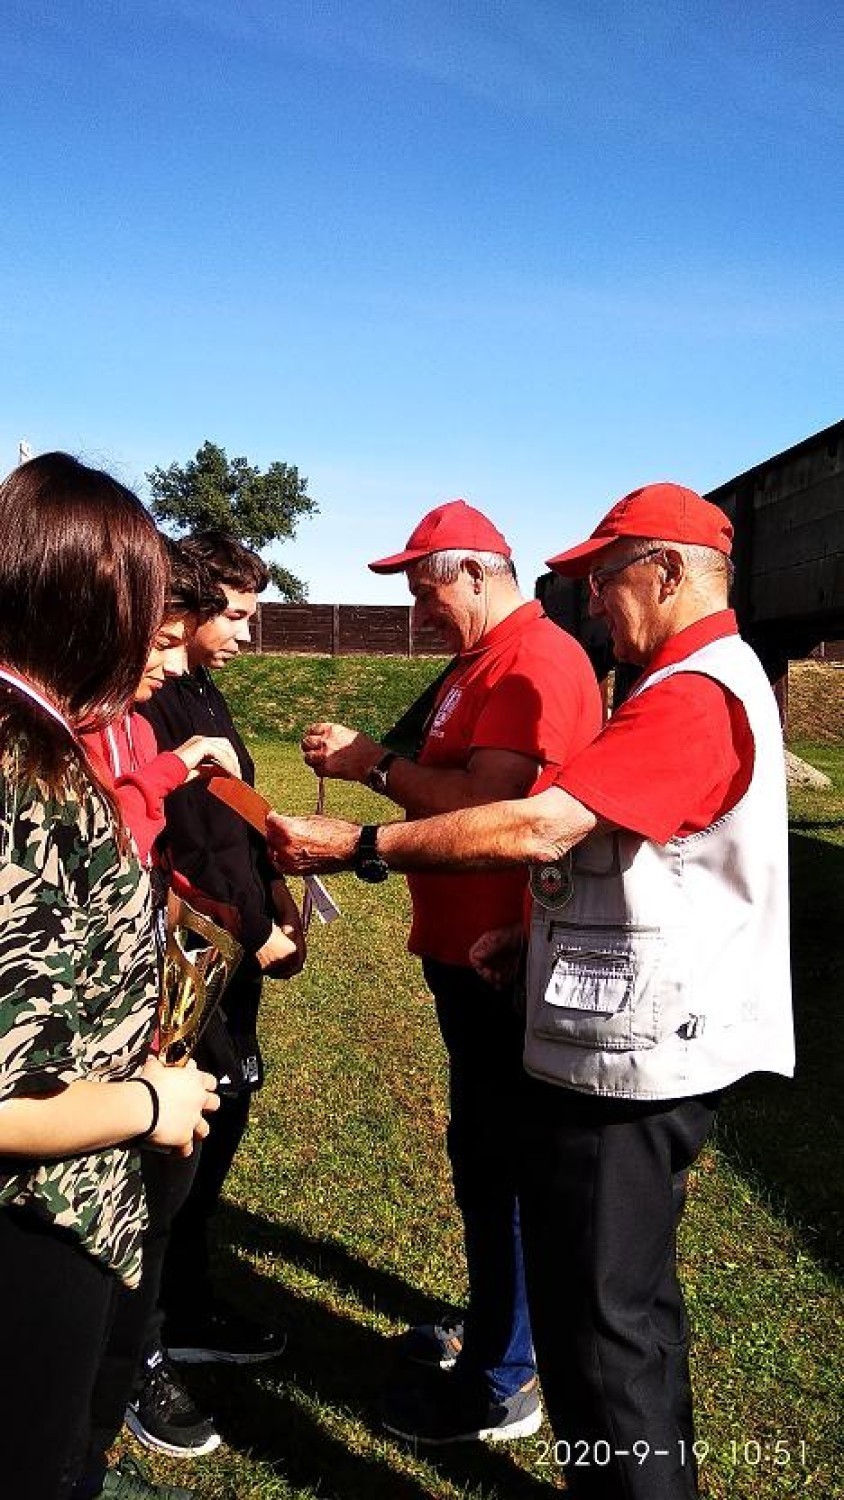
x=667 y=512
x=454 y=524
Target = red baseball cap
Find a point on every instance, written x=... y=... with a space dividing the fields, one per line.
x=666 y=512
x=454 y=524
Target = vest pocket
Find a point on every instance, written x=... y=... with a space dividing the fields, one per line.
x=601 y=988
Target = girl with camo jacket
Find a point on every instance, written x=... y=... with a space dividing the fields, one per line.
x=82 y=585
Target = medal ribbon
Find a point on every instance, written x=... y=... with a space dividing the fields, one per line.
x=308 y=900
x=29 y=690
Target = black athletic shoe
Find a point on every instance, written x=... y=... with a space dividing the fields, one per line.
x=435 y=1345
x=221 y=1336
x=453 y=1408
x=162 y=1414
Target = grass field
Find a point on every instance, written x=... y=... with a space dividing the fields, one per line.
x=339 y=1223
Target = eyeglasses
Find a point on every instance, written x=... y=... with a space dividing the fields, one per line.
x=598 y=578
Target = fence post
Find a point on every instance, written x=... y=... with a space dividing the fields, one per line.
x=410 y=630
x=335 y=630
x=259 y=630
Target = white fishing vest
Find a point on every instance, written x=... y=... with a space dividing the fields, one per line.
x=667 y=973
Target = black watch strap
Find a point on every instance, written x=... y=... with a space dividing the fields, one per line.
x=376 y=779
x=368 y=863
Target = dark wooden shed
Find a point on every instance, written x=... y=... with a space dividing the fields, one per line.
x=788 y=514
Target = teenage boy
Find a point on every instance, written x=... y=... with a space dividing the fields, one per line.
x=126 y=757
x=214 y=852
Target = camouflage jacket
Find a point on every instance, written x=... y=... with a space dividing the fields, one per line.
x=77 y=997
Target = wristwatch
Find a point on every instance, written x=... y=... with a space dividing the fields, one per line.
x=368 y=864
x=376 y=779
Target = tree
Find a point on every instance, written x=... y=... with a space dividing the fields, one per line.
x=212 y=491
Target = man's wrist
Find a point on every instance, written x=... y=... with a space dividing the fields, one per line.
x=378 y=773
x=369 y=864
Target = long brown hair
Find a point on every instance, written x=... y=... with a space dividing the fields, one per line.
x=83 y=574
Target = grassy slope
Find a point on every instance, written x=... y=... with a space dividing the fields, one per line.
x=279 y=695
x=340 y=1225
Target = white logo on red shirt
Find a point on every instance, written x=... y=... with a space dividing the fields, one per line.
x=444 y=712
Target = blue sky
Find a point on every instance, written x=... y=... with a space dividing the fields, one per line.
x=530 y=252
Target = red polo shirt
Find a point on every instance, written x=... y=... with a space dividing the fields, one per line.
x=527 y=687
x=675 y=758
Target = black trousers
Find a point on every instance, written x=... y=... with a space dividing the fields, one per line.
x=602 y=1193
x=56 y=1307
x=167 y=1181
x=185 y=1287
x=483 y=1032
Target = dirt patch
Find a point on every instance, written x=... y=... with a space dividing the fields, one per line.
x=815 y=701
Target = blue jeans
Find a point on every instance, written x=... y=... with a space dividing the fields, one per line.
x=484 y=1034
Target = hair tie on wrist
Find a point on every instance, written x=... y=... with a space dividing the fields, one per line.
x=156 y=1107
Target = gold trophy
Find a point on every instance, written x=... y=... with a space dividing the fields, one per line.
x=200 y=958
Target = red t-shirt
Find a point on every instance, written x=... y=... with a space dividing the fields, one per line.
x=674 y=759
x=527 y=687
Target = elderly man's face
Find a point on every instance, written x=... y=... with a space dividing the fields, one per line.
x=456 y=611
x=626 y=592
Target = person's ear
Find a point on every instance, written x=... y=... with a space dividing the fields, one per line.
x=475 y=571
x=672 y=566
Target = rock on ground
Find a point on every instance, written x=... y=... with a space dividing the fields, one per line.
x=799 y=773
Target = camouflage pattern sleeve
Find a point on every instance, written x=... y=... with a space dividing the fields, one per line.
x=77 y=996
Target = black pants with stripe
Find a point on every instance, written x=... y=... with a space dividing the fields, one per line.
x=603 y=1189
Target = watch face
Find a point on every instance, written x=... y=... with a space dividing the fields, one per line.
x=369 y=865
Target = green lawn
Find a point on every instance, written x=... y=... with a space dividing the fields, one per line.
x=339 y=1221
x=277 y=696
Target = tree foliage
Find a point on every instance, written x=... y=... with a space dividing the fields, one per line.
x=212 y=491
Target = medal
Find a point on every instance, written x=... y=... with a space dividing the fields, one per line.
x=552 y=885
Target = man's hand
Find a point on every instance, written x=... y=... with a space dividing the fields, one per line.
x=337 y=751
x=311 y=846
x=496 y=954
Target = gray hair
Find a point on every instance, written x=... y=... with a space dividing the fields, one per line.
x=444 y=566
x=700 y=561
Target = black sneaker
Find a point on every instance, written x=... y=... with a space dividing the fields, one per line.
x=435 y=1345
x=162 y=1414
x=222 y=1336
x=455 y=1408
x=129 y=1480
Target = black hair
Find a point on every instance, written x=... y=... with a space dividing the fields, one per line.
x=227 y=561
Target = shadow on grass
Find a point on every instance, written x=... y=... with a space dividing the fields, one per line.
x=369 y=1285
x=331 y=1362
x=790 y=1136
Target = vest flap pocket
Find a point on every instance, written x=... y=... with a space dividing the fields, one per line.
x=601 y=988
